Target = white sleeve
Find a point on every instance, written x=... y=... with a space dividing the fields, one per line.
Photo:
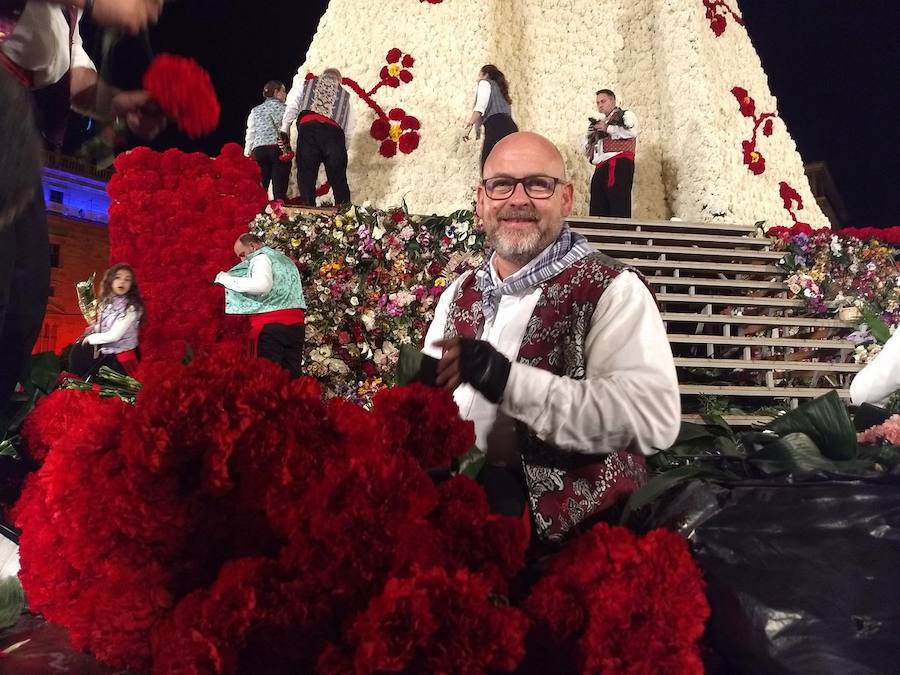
x=629 y=396
x=350 y=124
x=292 y=104
x=80 y=59
x=116 y=331
x=482 y=96
x=439 y=323
x=880 y=378
x=258 y=281
x=630 y=130
x=248 y=139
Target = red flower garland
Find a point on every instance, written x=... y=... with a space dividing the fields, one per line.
x=185 y=92
x=790 y=197
x=174 y=217
x=747 y=106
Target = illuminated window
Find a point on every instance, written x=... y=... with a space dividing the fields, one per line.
x=56 y=196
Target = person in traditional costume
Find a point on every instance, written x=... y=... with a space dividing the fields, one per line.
x=554 y=350
x=43 y=67
x=492 y=110
x=266 y=286
x=262 y=139
x=609 y=145
x=112 y=340
x=324 y=115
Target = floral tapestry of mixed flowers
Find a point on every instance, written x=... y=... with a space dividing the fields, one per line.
x=371 y=280
x=234 y=521
x=848 y=268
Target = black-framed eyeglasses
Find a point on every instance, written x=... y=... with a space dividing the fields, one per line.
x=536 y=187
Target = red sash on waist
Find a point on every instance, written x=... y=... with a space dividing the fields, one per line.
x=316 y=117
x=25 y=77
x=286 y=317
x=611 y=177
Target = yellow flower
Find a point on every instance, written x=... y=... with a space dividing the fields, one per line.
x=395 y=131
x=440 y=281
x=394 y=69
x=295 y=243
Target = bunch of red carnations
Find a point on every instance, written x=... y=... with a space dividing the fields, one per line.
x=231 y=521
x=174 y=217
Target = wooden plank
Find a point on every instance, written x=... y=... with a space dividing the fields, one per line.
x=673 y=236
x=649 y=224
x=731 y=420
x=770 y=392
x=716 y=282
x=773 y=364
x=728 y=254
x=709 y=266
x=799 y=343
x=730 y=300
x=776 y=321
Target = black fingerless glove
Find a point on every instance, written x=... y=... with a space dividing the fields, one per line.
x=483 y=367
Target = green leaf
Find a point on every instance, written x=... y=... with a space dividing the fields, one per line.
x=658 y=486
x=12 y=601
x=470 y=463
x=878 y=328
x=409 y=364
x=826 y=421
x=792 y=453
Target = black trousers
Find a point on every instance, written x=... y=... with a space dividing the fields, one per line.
x=282 y=344
x=496 y=127
x=272 y=170
x=83 y=363
x=322 y=143
x=24 y=285
x=616 y=200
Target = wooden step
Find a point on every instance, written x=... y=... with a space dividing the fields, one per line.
x=798 y=343
x=677 y=252
x=770 y=392
x=712 y=267
x=775 y=321
x=773 y=364
x=659 y=225
x=731 y=420
x=716 y=282
x=729 y=300
x=676 y=238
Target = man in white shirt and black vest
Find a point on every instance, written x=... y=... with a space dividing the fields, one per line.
x=609 y=145
x=555 y=351
x=323 y=112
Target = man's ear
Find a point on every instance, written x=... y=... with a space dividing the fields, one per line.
x=568 y=199
x=479 y=205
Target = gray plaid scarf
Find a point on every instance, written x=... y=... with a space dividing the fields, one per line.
x=568 y=249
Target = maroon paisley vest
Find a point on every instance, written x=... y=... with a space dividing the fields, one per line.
x=564 y=488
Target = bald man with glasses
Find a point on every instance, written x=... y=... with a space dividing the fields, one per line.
x=554 y=350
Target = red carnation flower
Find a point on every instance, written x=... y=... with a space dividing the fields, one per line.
x=397 y=68
x=753 y=158
x=397 y=131
x=185 y=92
x=595 y=607
x=767 y=127
x=745 y=102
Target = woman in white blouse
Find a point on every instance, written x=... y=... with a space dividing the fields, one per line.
x=492 y=110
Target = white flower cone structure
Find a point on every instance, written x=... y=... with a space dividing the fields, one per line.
x=661 y=57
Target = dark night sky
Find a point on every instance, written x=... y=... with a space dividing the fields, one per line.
x=834 y=66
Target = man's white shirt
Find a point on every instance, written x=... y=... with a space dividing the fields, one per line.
x=629 y=396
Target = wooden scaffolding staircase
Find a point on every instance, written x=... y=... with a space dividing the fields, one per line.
x=734 y=330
